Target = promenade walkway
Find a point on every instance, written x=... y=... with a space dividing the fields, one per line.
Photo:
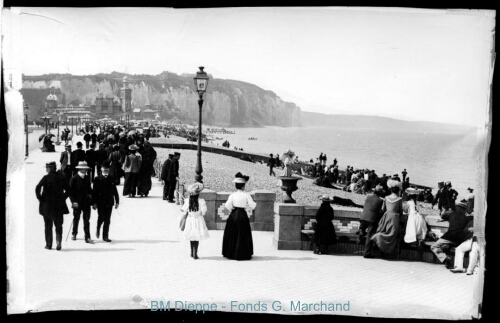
x=148 y=260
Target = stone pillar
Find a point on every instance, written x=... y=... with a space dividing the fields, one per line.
x=287 y=226
x=264 y=211
x=210 y=196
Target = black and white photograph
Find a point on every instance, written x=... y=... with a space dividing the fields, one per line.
x=289 y=161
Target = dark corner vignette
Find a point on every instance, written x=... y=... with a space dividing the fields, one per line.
x=4 y=151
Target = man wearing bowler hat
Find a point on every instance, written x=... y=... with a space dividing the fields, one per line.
x=81 y=198
x=52 y=192
x=104 y=196
x=173 y=176
x=164 y=176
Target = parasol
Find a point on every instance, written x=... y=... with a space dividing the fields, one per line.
x=132 y=132
x=41 y=137
x=287 y=153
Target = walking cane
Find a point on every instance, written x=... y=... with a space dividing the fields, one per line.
x=69 y=230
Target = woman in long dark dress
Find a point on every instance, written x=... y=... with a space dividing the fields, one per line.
x=147 y=167
x=237 y=243
x=324 y=233
x=387 y=235
x=115 y=169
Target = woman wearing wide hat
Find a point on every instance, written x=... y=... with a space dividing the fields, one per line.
x=324 y=232
x=387 y=235
x=237 y=243
x=131 y=167
x=195 y=208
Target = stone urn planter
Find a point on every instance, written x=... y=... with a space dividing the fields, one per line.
x=289 y=185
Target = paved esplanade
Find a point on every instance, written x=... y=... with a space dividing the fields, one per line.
x=148 y=260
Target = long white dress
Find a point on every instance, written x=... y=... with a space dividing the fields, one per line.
x=196 y=228
x=416 y=227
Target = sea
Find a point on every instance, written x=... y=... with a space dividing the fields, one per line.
x=429 y=157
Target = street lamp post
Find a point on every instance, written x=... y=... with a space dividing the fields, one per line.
x=58 y=122
x=201 y=82
x=26 y=111
x=45 y=118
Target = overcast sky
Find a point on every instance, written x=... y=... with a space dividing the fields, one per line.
x=431 y=65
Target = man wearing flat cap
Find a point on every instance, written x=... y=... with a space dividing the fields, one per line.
x=164 y=176
x=52 y=192
x=173 y=176
x=81 y=198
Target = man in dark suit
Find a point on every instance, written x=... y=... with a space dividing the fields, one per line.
x=404 y=174
x=90 y=157
x=93 y=138
x=104 y=196
x=164 y=176
x=52 y=192
x=66 y=166
x=173 y=176
x=100 y=156
x=271 y=162
x=77 y=156
x=81 y=198
x=87 y=138
x=442 y=199
x=369 y=219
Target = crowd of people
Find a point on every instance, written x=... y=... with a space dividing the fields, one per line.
x=388 y=220
x=89 y=178
x=390 y=215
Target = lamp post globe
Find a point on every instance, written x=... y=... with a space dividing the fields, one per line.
x=201 y=83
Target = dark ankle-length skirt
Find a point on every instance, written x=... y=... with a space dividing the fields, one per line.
x=237 y=243
x=145 y=183
x=130 y=185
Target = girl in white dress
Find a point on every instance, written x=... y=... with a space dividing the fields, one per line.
x=416 y=227
x=195 y=208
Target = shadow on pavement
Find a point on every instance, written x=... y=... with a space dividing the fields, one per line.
x=142 y=241
x=98 y=249
x=258 y=258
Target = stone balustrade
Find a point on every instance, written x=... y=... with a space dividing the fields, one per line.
x=261 y=218
x=294 y=227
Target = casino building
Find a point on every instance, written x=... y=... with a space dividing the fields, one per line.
x=105 y=106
